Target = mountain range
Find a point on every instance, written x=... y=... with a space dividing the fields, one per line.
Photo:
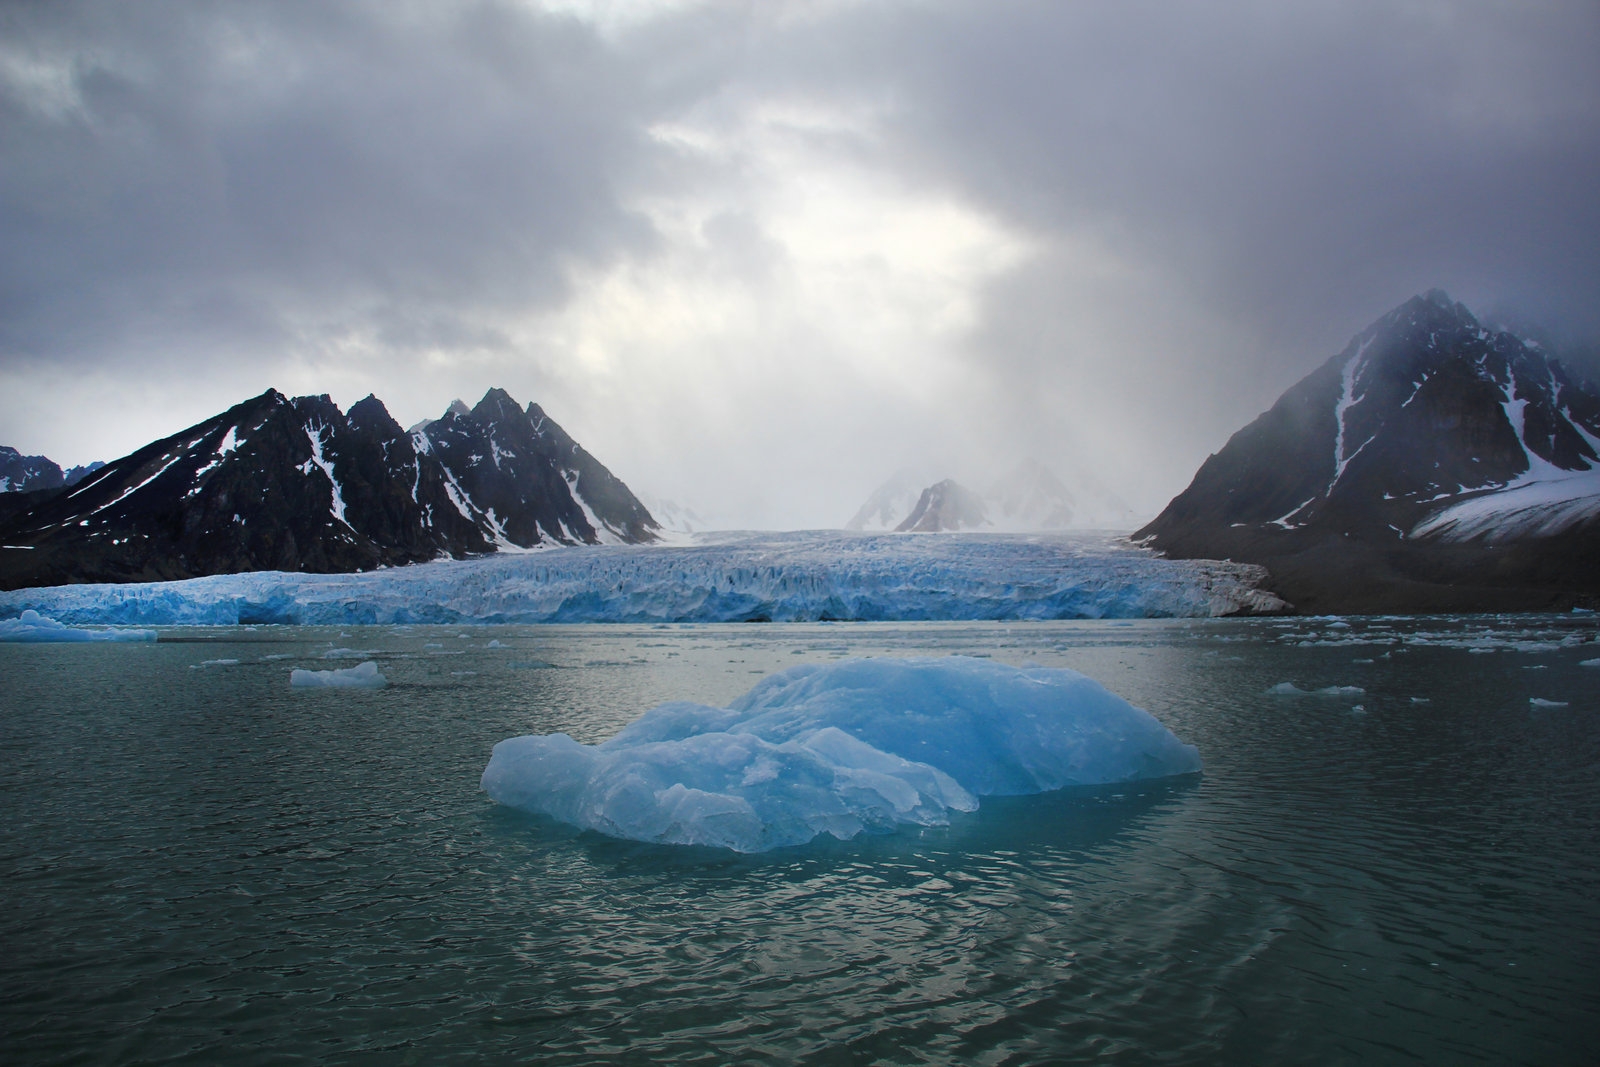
x=296 y=484
x=1436 y=464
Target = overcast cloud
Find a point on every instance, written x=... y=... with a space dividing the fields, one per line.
x=756 y=256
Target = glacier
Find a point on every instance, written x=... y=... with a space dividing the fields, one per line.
x=729 y=577
x=863 y=745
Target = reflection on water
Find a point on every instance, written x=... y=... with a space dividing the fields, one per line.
x=203 y=864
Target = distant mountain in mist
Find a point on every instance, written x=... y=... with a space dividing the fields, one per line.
x=296 y=484
x=1434 y=464
x=1027 y=498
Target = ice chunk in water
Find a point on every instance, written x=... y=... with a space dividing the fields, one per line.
x=869 y=744
x=362 y=676
x=31 y=626
x=1289 y=689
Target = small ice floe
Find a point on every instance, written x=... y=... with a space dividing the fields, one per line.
x=1421 y=700
x=463 y=674
x=495 y=643
x=1289 y=689
x=203 y=664
x=1589 y=663
x=1537 y=667
x=1359 y=709
x=1541 y=702
x=1361 y=661
x=349 y=653
x=30 y=626
x=362 y=676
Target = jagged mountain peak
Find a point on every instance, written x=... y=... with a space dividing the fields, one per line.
x=370 y=412
x=497 y=406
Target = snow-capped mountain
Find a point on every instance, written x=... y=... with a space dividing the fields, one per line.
x=1431 y=438
x=281 y=484
x=891 y=502
x=21 y=474
x=675 y=517
x=945 y=506
x=1029 y=498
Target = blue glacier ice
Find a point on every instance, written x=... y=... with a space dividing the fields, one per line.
x=31 y=626
x=842 y=748
x=781 y=577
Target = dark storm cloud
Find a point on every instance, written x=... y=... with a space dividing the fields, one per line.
x=235 y=175
x=1213 y=197
x=1302 y=166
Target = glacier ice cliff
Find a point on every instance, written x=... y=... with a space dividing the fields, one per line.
x=780 y=577
x=859 y=745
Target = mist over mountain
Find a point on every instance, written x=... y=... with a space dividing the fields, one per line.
x=1435 y=463
x=296 y=484
x=1026 y=498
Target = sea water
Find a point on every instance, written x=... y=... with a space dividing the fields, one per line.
x=1392 y=858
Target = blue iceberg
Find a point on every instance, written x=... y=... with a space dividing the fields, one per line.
x=31 y=626
x=859 y=745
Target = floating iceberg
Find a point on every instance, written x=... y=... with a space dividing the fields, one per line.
x=363 y=676
x=857 y=745
x=32 y=626
x=777 y=577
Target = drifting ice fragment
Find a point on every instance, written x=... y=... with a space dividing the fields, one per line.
x=364 y=676
x=31 y=626
x=869 y=744
x=1541 y=702
x=1289 y=689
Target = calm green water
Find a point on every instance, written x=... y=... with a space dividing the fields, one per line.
x=202 y=865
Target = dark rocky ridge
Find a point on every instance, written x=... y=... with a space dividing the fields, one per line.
x=1339 y=488
x=281 y=484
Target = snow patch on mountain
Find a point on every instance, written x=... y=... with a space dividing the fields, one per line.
x=1528 y=508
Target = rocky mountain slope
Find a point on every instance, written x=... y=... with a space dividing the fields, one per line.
x=295 y=484
x=1434 y=464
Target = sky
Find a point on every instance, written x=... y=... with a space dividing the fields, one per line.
x=756 y=256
